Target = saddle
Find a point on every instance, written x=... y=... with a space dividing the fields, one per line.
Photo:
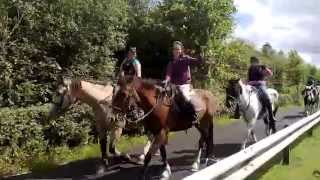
x=179 y=105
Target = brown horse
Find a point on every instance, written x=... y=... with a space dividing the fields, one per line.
x=99 y=98
x=161 y=117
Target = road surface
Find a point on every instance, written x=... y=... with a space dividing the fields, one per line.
x=181 y=153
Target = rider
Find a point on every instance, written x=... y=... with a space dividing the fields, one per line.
x=178 y=73
x=131 y=65
x=310 y=82
x=257 y=75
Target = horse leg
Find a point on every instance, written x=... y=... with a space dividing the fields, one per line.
x=250 y=127
x=167 y=171
x=103 y=149
x=267 y=125
x=114 y=139
x=272 y=126
x=209 y=144
x=196 y=164
x=146 y=149
x=253 y=136
x=160 y=139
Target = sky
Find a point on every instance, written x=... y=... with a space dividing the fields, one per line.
x=285 y=24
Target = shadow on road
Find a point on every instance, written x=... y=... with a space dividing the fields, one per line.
x=293 y=117
x=86 y=169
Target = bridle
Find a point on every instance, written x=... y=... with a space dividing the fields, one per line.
x=136 y=96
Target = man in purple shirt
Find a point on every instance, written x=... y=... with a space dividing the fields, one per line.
x=178 y=73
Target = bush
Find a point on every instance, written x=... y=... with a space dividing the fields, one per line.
x=21 y=131
x=38 y=37
x=76 y=127
x=25 y=130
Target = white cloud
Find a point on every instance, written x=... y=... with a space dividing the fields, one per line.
x=285 y=24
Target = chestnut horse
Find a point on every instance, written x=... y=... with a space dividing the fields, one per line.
x=160 y=118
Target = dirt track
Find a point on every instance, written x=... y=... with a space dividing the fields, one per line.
x=181 y=152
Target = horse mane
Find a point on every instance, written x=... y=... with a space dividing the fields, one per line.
x=75 y=84
x=151 y=83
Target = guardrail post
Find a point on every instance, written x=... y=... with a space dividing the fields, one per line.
x=286 y=153
x=286 y=156
x=310 y=132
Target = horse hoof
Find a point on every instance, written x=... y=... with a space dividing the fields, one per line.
x=139 y=160
x=195 y=167
x=101 y=169
x=210 y=161
x=243 y=147
x=166 y=173
x=127 y=157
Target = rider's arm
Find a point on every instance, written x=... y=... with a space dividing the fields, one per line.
x=137 y=67
x=268 y=72
x=193 y=61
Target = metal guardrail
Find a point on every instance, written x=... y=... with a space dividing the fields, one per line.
x=245 y=162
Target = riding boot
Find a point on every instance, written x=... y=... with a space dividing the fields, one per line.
x=236 y=112
x=191 y=111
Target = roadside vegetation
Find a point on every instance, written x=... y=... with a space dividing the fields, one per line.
x=42 y=41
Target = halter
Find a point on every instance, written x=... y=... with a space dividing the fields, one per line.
x=60 y=103
x=145 y=115
x=238 y=101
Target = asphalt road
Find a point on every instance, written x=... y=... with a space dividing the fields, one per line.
x=181 y=153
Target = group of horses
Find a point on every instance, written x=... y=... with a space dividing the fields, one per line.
x=134 y=99
x=311 y=98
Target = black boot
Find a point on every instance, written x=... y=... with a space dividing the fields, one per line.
x=236 y=113
x=191 y=112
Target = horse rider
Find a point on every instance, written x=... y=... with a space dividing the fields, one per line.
x=131 y=65
x=178 y=73
x=257 y=75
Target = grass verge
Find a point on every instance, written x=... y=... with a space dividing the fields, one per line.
x=304 y=161
x=62 y=155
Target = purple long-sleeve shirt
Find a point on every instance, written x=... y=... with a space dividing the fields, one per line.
x=178 y=71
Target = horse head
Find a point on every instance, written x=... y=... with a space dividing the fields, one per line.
x=126 y=99
x=63 y=97
x=233 y=91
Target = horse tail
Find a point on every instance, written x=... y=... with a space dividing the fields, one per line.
x=275 y=109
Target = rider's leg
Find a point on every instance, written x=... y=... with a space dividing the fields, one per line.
x=266 y=102
x=185 y=90
x=186 y=93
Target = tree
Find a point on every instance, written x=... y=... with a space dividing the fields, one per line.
x=295 y=68
x=267 y=50
x=37 y=37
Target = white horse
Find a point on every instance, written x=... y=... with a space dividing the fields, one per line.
x=250 y=106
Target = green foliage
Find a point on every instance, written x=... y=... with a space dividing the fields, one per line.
x=37 y=38
x=21 y=131
x=199 y=24
x=26 y=130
